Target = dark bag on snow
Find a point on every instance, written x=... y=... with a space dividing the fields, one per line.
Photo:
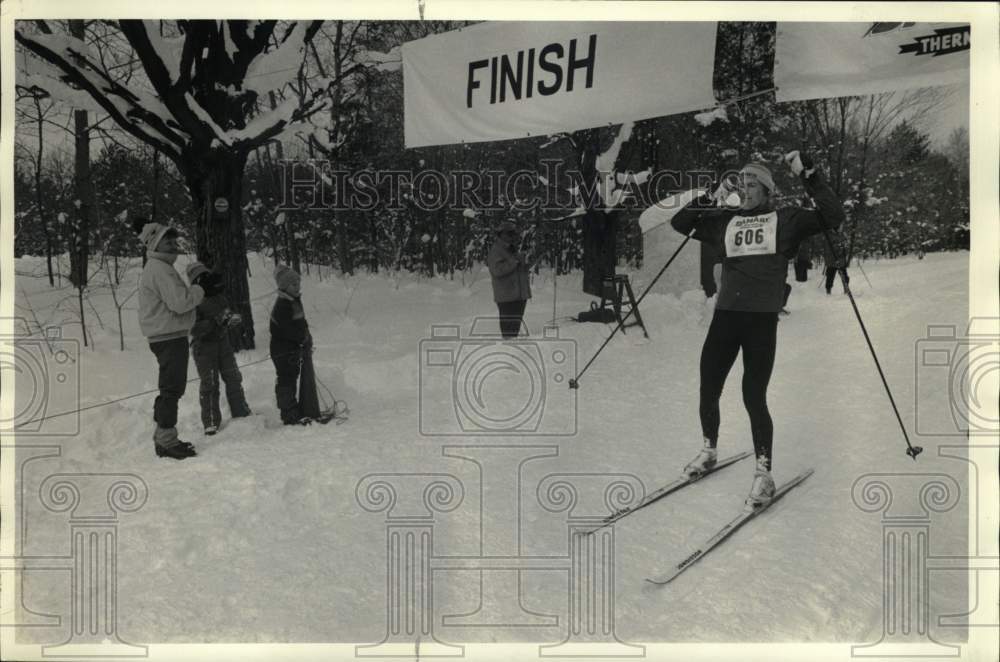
x=597 y=314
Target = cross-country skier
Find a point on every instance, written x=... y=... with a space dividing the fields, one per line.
x=756 y=241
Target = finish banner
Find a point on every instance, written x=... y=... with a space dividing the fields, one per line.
x=821 y=60
x=502 y=80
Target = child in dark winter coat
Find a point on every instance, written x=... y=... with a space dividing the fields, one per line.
x=290 y=337
x=213 y=353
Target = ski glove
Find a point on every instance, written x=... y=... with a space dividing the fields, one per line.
x=726 y=187
x=230 y=319
x=799 y=163
x=211 y=283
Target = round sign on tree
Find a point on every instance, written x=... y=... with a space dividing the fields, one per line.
x=221 y=205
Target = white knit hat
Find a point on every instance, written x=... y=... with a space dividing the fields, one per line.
x=152 y=233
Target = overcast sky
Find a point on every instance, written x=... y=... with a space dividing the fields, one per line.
x=952 y=114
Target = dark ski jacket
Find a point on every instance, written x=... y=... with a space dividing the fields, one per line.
x=210 y=319
x=757 y=244
x=289 y=329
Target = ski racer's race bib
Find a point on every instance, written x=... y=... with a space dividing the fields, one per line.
x=752 y=235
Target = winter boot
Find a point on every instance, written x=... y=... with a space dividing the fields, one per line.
x=705 y=460
x=177 y=452
x=211 y=429
x=762 y=489
x=290 y=415
x=167 y=444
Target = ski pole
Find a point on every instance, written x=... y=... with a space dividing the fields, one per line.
x=911 y=450
x=862 y=270
x=575 y=382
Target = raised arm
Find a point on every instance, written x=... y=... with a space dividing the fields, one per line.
x=829 y=212
x=702 y=213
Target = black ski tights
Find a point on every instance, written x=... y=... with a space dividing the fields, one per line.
x=755 y=334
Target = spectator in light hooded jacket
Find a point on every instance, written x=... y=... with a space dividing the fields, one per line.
x=166 y=314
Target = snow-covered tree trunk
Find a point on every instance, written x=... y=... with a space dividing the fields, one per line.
x=221 y=237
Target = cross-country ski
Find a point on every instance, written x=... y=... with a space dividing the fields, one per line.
x=669 y=488
x=726 y=531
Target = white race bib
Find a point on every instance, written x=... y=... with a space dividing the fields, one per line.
x=752 y=235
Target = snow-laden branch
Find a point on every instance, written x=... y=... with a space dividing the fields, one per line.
x=274 y=69
x=167 y=50
x=206 y=119
x=139 y=114
x=391 y=61
x=709 y=116
x=34 y=72
x=605 y=163
x=225 y=27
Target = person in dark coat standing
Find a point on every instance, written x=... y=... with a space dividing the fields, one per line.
x=290 y=337
x=510 y=277
x=834 y=263
x=212 y=351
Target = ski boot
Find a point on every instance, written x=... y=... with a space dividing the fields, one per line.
x=705 y=460
x=762 y=489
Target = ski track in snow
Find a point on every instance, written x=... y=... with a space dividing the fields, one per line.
x=260 y=538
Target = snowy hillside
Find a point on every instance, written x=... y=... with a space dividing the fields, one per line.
x=261 y=537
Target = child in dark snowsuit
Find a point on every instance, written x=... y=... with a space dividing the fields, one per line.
x=213 y=353
x=290 y=337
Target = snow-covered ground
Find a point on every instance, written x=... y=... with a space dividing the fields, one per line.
x=261 y=538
